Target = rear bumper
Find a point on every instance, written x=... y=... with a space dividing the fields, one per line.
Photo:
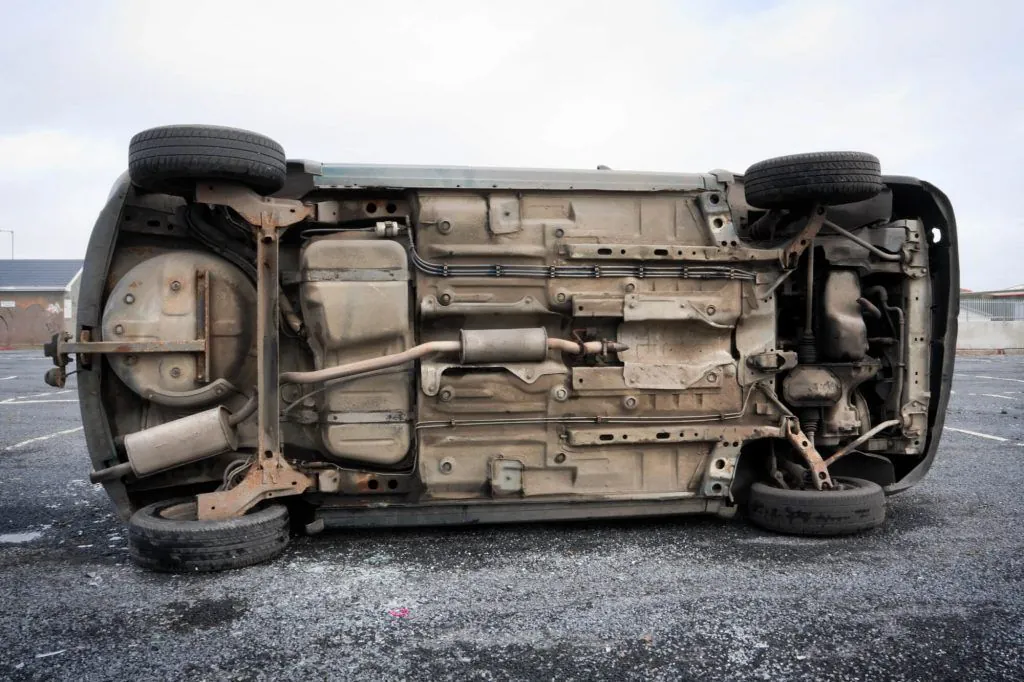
x=95 y=420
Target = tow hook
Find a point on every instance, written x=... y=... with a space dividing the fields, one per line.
x=802 y=444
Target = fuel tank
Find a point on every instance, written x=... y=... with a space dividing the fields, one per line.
x=355 y=301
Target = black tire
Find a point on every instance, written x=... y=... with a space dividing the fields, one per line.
x=827 y=178
x=856 y=505
x=178 y=542
x=171 y=159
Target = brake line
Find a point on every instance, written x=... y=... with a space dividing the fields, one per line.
x=574 y=271
x=598 y=420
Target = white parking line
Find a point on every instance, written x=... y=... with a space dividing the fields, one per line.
x=39 y=438
x=36 y=395
x=1004 y=397
x=981 y=376
x=13 y=376
x=975 y=433
x=7 y=403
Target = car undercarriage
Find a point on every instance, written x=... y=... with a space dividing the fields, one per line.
x=389 y=345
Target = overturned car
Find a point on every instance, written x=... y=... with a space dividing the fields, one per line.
x=261 y=340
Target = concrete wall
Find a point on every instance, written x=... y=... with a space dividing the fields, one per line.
x=987 y=335
x=30 y=318
x=71 y=304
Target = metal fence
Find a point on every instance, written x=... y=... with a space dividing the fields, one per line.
x=985 y=308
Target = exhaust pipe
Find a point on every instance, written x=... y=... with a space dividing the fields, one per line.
x=475 y=346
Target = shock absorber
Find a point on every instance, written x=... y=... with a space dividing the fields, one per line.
x=807 y=351
x=810 y=417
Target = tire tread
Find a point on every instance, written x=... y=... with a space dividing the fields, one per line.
x=818 y=513
x=171 y=159
x=173 y=545
x=827 y=178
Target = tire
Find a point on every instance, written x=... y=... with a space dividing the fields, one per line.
x=828 y=178
x=857 y=506
x=166 y=536
x=171 y=159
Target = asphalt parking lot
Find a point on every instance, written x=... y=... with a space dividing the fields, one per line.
x=937 y=593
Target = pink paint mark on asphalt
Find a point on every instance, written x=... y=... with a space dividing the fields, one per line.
x=399 y=613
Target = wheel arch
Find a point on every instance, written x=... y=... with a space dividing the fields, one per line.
x=95 y=422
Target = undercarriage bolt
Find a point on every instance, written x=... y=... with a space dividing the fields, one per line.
x=630 y=402
x=630 y=287
x=446 y=395
x=559 y=233
x=444 y=227
x=559 y=458
x=175 y=372
x=175 y=285
x=129 y=299
x=560 y=393
x=119 y=329
x=445 y=299
x=446 y=466
x=710 y=310
x=712 y=377
x=560 y=297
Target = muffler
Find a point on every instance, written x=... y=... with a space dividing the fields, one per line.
x=178 y=442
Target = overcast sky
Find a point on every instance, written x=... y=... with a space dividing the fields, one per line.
x=934 y=89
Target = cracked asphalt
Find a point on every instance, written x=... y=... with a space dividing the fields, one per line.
x=935 y=594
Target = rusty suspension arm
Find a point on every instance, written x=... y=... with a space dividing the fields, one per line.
x=819 y=466
x=800 y=442
x=847 y=449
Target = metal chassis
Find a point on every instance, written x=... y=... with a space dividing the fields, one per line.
x=927 y=200
x=271 y=475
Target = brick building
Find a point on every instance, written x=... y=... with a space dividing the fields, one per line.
x=32 y=300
